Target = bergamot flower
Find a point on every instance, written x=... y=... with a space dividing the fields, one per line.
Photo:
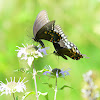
x=56 y=72
x=30 y=52
x=12 y=87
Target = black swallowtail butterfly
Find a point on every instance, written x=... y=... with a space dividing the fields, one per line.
x=64 y=47
x=44 y=29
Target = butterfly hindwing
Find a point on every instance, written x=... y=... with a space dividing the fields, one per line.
x=68 y=49
x=64 y=47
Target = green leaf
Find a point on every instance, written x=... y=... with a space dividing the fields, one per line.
x=65 y=87
x=23 y=70
x=50 y=85
x=27 y=94
x=46 y=96
x=43 y=70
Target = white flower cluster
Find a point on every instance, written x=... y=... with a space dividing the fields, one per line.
x=28 y=53
x=90 y=91
x=12 y=87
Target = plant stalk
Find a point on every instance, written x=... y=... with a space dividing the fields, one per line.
x=55 y=89
x=13 y=96
x=34 y=77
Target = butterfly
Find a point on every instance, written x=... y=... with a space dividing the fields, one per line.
x=44 y=29
x=66 y=48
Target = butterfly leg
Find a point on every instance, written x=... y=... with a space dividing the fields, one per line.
x=42 y=44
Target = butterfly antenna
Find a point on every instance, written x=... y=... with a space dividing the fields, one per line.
x=85 y=56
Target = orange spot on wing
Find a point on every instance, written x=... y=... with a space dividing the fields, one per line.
x=45 y=32
x=78 y=57
x=74 y=57
x=58 y=40
x=50 y=40
x=54 y=41
x=56 y=33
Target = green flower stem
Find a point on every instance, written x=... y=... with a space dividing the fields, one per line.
x=34 y=77
x=55 y=89
x=13 y=96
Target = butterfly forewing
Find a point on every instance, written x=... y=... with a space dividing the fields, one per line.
x=44 y=29
x=44 y=32
x=41 y=20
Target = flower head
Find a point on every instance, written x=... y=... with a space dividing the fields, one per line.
x=30 y=52
x=88 y=77
x=56 y=72
x=12 y=87
x=43 y=50
x=90 y=89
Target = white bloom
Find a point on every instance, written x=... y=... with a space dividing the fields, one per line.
x=89 y=91
x=87 y=76
x=12 y=87
x=97 y=95
x=30 y=60
x=86 y=92
x=29 y=53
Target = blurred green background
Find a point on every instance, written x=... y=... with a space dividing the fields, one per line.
x=80 y=21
